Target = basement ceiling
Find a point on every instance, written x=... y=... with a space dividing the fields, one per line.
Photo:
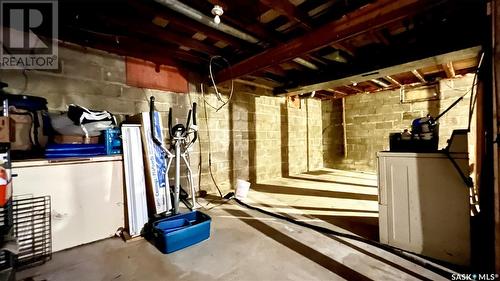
x=285 y=44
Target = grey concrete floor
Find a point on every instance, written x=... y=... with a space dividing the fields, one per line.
x=247 y=245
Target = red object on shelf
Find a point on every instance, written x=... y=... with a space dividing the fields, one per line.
x=5 y=187
x=145 y=74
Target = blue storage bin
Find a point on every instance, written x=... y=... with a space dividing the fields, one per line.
x=167 y=226
x=180 y=231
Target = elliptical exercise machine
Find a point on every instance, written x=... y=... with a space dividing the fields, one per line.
x=182 y=138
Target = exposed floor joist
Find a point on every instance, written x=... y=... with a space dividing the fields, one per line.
x=360 y=21
x=449 y=69
x=388 y=71
x=287 y=9
x=419 y=76
x=393 y=81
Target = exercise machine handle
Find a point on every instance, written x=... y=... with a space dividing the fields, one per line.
x=195 y=134
x=152 y=120
x=194 y=114
x=188 y=122
x=170 y=133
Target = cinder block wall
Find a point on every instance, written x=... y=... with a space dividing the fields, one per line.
x=256 y=137
x=369 y=118
x=332 y=132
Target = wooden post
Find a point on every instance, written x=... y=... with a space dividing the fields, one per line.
x=496 y=107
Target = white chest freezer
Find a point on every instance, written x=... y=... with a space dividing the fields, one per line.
x=424 y=204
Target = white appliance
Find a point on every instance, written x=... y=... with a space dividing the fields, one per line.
x=424 y=204
x=87 y=202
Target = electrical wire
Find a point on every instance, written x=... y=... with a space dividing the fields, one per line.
x=473 y=97
x=217 y=93
x=210 y=151
x=398 y=252
x=216 y=108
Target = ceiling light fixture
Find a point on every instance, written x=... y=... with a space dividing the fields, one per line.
x=217 y=11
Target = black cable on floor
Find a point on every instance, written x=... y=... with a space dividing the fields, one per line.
x=330 y=232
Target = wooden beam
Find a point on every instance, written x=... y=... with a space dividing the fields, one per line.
x=277 y=70
x=287 y=9
x=354 y=88
x=419 y=76
x=344 y=47
x=377 y=36
x=316 y=59
x=393 y=81
x=336 y=92
x=449 y=69
x=388 y=71
x=362 y=20
x=496 y=130
x=127 y=46
x=242 y=14
x=162 y=34
x=194 y=26
x=250 y=83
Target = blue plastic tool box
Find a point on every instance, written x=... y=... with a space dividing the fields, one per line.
x=180 y=231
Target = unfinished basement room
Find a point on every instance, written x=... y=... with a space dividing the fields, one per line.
x=249 y=140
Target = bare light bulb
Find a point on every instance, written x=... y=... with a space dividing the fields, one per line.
x=217 y=11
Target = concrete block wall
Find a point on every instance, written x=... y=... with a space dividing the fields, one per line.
x=255 y=137
x=332 y=132
x=369 y=118
x=301 y=138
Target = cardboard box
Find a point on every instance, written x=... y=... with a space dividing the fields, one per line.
x=61 y=139
x=7 y=130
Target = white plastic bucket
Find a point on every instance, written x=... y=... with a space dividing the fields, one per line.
x=242 y=188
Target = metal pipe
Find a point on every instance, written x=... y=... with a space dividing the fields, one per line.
x=206 y=20
x=380 y=83
x=168 y=204
x=190 y=180
x=177 y=186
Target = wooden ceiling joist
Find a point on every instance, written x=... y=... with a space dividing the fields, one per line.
x=253 y=84
x=128 y=47
x=393 y=81
x=336 y=92
x=419 y=76
x=354 y=88
x=449 y=69
x=277 y=70
x=384 y=72
x=163 y=35
x=362 y=20
x=289 y=10
x=345 y=48
x=193 y=26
